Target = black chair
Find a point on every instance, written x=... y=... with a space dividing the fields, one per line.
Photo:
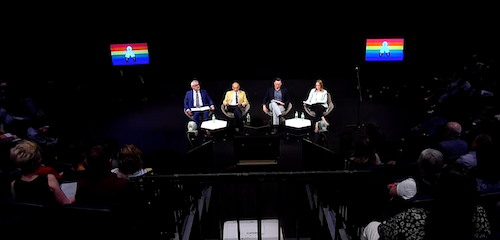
x=331 y=106
x=25 y=219
x=424 y=202
x=387 y=171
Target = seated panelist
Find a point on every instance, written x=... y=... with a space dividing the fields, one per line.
x=235 y=101
x=197 y=98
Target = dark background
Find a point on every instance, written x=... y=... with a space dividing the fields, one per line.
x=242 y=41
x=251 y=43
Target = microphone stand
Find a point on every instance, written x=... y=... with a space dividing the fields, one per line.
x=358 y=125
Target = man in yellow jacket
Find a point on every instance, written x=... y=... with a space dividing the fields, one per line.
x=235 y=101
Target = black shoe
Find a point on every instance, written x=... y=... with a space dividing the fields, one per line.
x=282 y=120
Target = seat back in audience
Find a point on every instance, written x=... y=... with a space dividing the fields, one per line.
x=388 y=171
x=24 y=219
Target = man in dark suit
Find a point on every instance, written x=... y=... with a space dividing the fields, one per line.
x=452 y=146
x=276 y=101
x=197 y=98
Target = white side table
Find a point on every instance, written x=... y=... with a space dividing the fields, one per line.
x=298 y=126
x=214 y=125
x=298 y=123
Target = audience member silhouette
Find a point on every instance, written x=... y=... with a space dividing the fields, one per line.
x=102 y=187
x=31 y=186
x=130 y=164
x=75 y=154
x=364 y=153
x=454 y=213
x=452 y=146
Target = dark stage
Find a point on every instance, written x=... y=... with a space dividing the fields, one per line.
x=158 y=126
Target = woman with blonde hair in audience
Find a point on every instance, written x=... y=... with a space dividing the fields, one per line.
x=130 y=164
x=33 y=187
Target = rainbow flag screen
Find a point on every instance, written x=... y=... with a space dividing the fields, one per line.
x=384 y=49
x=129 y=54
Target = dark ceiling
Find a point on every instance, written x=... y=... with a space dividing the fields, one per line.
x=193 y=40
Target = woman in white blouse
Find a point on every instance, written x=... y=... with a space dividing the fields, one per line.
x=317 y=102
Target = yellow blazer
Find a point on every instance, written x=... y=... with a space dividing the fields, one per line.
x=242 y=98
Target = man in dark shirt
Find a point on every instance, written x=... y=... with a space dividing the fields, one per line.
x=276 y=101
x=452 y=146
x=101 y=187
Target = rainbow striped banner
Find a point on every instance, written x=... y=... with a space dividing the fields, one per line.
x=384 y=49
x=129 y=54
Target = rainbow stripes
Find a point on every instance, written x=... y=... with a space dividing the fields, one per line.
x=137 y=54
x=384 y=49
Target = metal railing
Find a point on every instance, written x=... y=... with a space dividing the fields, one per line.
x=207 y=203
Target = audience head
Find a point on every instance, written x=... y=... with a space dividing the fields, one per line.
x=455 y=183
x=3 y=86
x=319 y=85
x=26 y=156
x=455 y=202
x=482 y=140
x=75 y=153
x=195 y=85
x=99 y=159
x=112 y=145
x=488 y=163
x=453 y=130
x=277 y=83
x=430 y=163
x=129 y=159
x=488 y=111
x=364 y=151
x=236 y=86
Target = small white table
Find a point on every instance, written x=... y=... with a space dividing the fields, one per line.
x=217 y=127
x=298 y=123
x=214 y=125
x=299 y=127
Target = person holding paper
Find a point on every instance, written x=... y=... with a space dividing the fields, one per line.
x=195 y=99
x=235 y=101
x=276 y=100
x=317 y=102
